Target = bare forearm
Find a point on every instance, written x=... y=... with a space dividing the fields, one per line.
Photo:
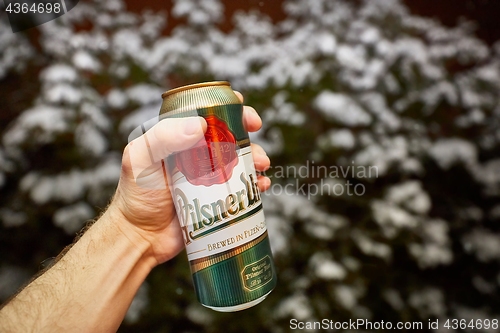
x=89 y=289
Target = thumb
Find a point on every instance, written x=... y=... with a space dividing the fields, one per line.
x=166 y=137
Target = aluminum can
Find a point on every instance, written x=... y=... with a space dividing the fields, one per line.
x=218 y=203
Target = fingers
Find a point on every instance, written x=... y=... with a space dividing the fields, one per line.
x=166 y=137
x=262 y=163
x=251 y=119
x=260 y=158
x=252 y=123
x=263 y=182
x=240 y=96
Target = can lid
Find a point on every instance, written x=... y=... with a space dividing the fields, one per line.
x=194 y=86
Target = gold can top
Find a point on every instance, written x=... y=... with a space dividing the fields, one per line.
x=186 y=99
x=194 y=86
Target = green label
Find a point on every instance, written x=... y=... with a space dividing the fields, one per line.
x=259 y=273
x=225 y=284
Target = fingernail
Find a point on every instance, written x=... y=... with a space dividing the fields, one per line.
x=192 y=125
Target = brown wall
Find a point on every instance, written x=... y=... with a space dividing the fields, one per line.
x=484 y=12
x=271 y=7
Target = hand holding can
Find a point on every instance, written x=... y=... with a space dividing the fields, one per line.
x=218 y=203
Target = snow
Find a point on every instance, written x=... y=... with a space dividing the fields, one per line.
x=488 y=73
x=325 y=227
x=429 y=302
x=475 y=313
x=56 y=39
x=411 y=196
x=346 y=296
x=342 y=138
x=436 y=231
x=114 y=5
x=377 y=105
x=370 y=36
x=15 y=50
x=90 y=139
x=28 y=181
x=104 y=20
x=84 y=60
x=371 y=247
x=199 y=314
x=483 y=243
x=230 y=65
x=198 y=12
x=295 y=306
x=489 y=175
x=352 y=57
x=70 y=186
x=164 y=52
x=143 y=118
x=393 y=297
x=442 y=91
x=483 y=286
x=302 y=73
x=96 y=116
x=380 y=8
x=50 y=119
x=72 y=218
x=325 y=268
x=435 y=248
x=108 y=172
x=117 y=99
x=391 y=218
x=127 y=42
x=283 y=111
x=59 y=72
x=341 y=108
x=327 y=43
x=389 y=151
x=120 y=71
x=256 y=26
x=145 y=94
x=63 y=93
x=272 y=143
x=448 y=152
x=471 y=213
x=429 y=255
x=279 y=232
x=152 y=26
x=12 y=218
x=65 y=187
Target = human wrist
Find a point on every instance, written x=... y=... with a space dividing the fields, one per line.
x=105 y=268
x=130 y=233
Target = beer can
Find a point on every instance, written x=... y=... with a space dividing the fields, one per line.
x=218 y=203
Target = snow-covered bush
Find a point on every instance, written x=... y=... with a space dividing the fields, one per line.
x=367 y=98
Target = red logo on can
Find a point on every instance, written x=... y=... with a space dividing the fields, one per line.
x=212 y=159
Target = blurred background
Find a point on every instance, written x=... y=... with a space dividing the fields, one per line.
x=397 y=100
